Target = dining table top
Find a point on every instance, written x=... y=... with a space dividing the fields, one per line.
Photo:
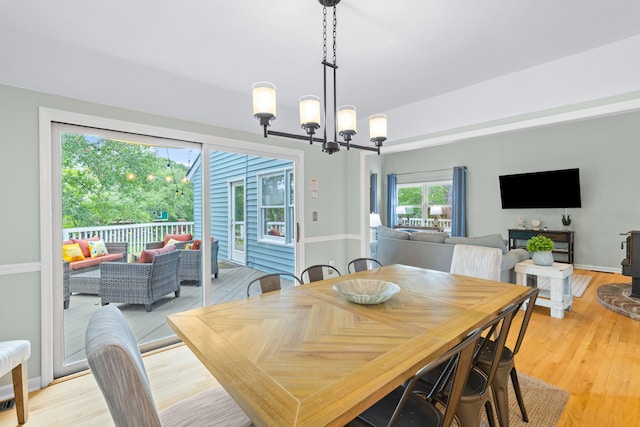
x=305 y=356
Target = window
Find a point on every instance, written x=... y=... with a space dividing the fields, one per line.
x=276 y=206
x=425 y=204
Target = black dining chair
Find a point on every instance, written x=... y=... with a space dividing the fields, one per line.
x=506 y=365
x=412 y=405
x=318 y=272
x=476 y=395
x=272 y=282
x=362 y=264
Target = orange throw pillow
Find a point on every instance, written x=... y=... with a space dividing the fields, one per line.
x=196 y=245
x=180 y=237
x=147 y=255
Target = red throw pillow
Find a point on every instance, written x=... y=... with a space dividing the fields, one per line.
x=196 y=245
x=147 y=255
x=180 y=237
x=84 y=245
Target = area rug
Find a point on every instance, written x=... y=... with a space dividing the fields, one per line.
x=616 y=297
x=227 y=264
x=579 y=283
x=544 y=403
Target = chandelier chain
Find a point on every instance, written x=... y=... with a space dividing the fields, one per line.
x=324 y=33
x=335 y=24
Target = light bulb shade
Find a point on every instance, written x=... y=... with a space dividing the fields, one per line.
x=264 y=100
x=310 y=111
x=378 y=128
x=400 y=210
x=374 y=220
x=436 y=210
x=347 y=120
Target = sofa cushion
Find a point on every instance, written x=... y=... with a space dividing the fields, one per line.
x=72 y=253
x=90 y=262
x=84 y=245
x=429 y=236
x=147 y=255
x=179 y=237
x=491 y=241
x=97 y=249
x=390 y=233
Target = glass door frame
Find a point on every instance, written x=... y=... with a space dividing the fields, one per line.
x=236 y=255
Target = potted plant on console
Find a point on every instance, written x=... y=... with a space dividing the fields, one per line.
x=566 y=222
x=541 y=247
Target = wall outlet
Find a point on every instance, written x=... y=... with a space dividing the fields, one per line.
x=314 y=216
x=331 y=262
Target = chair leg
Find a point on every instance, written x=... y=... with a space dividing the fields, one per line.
x=518 y=393
x=147 y=307
x=489 y=409
x=21 y=391
x=499 y=387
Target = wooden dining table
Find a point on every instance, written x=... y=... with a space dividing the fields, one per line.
x=305 y=356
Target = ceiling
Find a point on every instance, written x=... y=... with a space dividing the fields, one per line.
x=390 y=53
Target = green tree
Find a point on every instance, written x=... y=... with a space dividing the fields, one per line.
x=106 y=181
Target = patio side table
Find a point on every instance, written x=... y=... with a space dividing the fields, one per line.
x=559 y=297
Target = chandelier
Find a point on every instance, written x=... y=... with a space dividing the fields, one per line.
x=344 y=117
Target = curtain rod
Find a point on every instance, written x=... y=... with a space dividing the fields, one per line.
x=434 y=170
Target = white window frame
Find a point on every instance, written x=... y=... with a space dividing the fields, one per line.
x=288 y=207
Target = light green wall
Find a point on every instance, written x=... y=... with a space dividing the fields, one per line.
x=605 y=149
x=20 y=302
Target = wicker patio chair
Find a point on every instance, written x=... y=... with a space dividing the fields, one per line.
x=190 y=260
x=138 y=283
x=66 y=293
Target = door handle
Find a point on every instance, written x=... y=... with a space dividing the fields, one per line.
x=297 y=232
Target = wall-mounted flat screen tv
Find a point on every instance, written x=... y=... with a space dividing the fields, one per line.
x=548 y=189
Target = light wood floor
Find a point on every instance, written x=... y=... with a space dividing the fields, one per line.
x=593 y=353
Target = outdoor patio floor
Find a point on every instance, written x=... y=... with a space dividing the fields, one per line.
x=231 y=284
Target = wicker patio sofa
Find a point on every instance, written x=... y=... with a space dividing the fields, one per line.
x=140 y=283
x=191 y=260
x=117 y=251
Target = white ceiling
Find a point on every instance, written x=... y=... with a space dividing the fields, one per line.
x=390 y=53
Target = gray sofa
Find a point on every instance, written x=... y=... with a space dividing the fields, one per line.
x=434 y=250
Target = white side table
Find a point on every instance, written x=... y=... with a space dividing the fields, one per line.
x=559 y=297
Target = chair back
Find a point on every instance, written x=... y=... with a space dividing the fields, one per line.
x=114 y=359
x=530 y=300
x=498 y=328
x=272 y=282
x=477 y=261
x=163 y=276
x=362 y=264
x=317 y=272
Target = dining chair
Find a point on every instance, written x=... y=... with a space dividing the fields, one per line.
x=272 y=282
x=14 y=355
x=116 y=364
x=506 y=365
x=412 y=405
x=362 y=264
x=476 y=395
x=477 y=261
x=318 y=272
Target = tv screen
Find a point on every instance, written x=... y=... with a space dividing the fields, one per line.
x=548 y=189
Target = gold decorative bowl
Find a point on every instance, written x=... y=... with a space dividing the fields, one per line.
x=366 y=291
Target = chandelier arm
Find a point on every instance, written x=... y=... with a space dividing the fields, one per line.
x=294 y=136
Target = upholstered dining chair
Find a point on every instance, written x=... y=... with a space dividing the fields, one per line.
x=272 y=282
x=318 y=272
x=13 y=357
x=362 y=264
x=506 y=365
x=403 y=406
x=476 y=261
x=476 y=395
x=115 y=361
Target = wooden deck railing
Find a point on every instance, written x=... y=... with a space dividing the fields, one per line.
x=136 y=235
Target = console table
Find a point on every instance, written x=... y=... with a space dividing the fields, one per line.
x=563 y=242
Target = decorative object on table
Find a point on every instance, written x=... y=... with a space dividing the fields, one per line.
x=542 y=248
x=522 y=222
x=535 y=223
x=400 y=212
x=366 y=291
x=566 y=222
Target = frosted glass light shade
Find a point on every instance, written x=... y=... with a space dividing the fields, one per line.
x=347 y=120
x=264 y=100
x=436 y=210
x=309 y=111
x=374 y=220
x=378 y=127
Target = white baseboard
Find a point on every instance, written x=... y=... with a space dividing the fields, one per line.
x=598 y=268
x=6 y=391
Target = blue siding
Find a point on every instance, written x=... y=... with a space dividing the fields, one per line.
x=265 y=256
